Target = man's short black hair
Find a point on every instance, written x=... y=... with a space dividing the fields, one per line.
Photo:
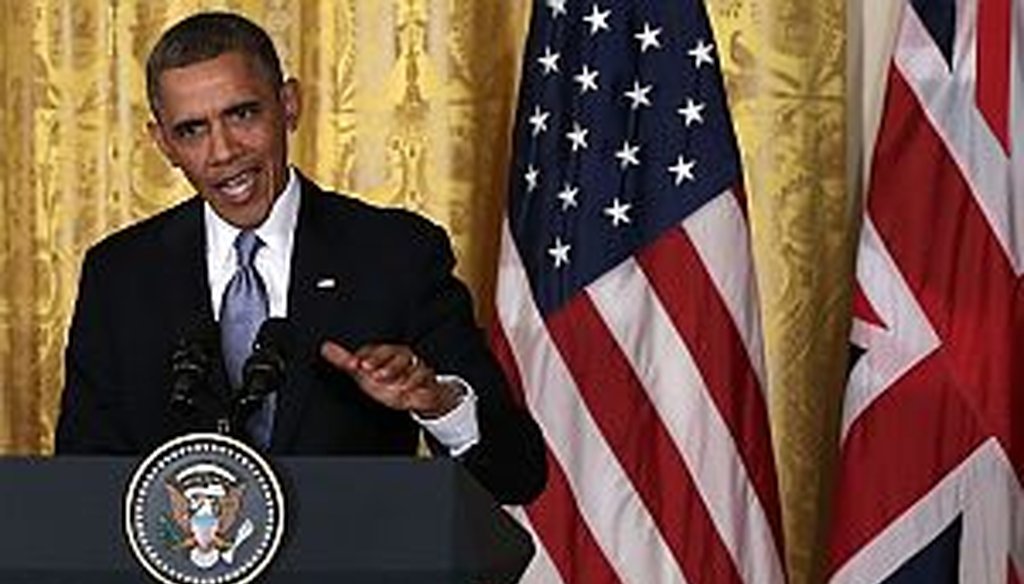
x=206 y=36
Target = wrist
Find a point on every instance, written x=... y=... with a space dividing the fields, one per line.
x=449 y=396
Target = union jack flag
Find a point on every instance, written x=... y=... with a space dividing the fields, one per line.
x=626 y=303
x=932 y=435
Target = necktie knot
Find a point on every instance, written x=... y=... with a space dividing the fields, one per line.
x=246 y=245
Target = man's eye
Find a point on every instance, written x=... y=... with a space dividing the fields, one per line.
x=246 y=113
x=188 y=131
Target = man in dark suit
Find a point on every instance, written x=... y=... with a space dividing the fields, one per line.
x=382 y=337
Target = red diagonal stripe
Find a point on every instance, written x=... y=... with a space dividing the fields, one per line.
x=555 y=515
x=503 y=352
x=995 y=17
x=635 y=432
x=907 y=440
x=863 y=309
x=957 y=270
x=689 y=295
x=567 y=539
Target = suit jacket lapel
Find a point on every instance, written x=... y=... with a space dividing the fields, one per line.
x=187 y=295
x=314 y=293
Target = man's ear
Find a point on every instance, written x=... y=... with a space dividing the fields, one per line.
x=291 y=99
x=156 y=132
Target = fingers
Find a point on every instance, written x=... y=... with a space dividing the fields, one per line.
x=384 y=363
x=387 y=363
x=340 y=357
x=391 y=374
x=418 y=378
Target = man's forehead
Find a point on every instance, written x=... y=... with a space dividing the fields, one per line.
x=236 y=65
x=218 y=83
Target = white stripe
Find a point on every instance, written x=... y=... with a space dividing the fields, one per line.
x=949 y=101
x=666 y=369
x=719 y=232
x=988 y=514
x=616 y=516
x=984 y=491
x=891 y=351
x=541 y=569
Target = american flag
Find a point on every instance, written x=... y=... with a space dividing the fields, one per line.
x=626 y=303
x=932 y=427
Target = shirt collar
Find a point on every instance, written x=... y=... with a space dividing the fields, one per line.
x=276 y=231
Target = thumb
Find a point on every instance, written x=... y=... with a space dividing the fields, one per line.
x=339 y=356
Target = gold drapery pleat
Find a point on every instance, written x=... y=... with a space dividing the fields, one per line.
x=409 y=102
x=785 y=65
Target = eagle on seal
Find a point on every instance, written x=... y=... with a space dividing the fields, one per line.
x=205 y=514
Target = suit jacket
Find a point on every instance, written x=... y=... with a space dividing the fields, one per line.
x=142 y=288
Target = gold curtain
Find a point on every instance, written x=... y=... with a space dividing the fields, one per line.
x=785 y=65
x=408 y=102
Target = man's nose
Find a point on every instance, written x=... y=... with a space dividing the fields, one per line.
x=223 y=146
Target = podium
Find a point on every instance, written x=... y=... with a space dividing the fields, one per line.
x=348 y=520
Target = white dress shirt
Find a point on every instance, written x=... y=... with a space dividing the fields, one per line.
x=457 y=430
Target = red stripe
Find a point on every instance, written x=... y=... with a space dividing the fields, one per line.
x=863 y=309
x=555 y=515
x=503 y=352
x=568 y=541
x=897 y=450
x=1011 y=572
x=995 y=18
x=702 y=319
x=642 y=445
x=952 y=262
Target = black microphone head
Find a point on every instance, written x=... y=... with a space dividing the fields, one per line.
x=191 y=361
x=264 y=370
x=200 y=339
x=275 y=335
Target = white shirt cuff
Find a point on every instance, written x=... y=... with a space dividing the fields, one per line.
x=458 y=429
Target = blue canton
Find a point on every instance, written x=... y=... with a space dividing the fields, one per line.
x=622 y=131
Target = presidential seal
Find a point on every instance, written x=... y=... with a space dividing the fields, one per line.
x=204 y=509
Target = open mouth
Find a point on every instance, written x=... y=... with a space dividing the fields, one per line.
x=237 y=188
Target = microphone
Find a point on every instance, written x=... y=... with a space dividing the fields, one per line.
x=264 y=370
x=191 y=364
